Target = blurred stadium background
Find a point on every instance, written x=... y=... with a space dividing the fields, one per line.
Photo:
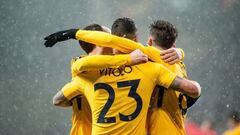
x=31 y=74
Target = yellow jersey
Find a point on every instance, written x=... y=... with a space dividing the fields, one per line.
x=235 y=131
x=81 y=116
x=81 y=113
x=167 y=114
x=119 y=97
x=173 y=105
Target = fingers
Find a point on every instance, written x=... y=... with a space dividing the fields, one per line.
x=50 y=42
x=168 y=55
x=138 y=57
x=47 y=37
x=47 y=43
x=164 y=52
x=144 y=58
x=173 y=62
x=171 y=59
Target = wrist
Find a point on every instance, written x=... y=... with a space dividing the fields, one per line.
x=73 y=33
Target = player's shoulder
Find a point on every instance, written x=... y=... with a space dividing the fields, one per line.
x=77 y=58
x=154 y=64
x=180 y=69
x=151 y=66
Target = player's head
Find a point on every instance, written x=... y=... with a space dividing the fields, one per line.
x=162 y=34
x=125 y=27
x=88 y=47
x=236 y=117
x=106 y=29
x=234 y=120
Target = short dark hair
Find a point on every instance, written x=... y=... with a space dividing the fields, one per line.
x=124 y=27
x=164 y=33
x=88 y=47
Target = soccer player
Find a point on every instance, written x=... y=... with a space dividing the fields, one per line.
x=168 y=113
x=173 y=112
x=81 y=115
x=81 y=112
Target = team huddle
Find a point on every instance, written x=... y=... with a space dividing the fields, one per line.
x=122 y=87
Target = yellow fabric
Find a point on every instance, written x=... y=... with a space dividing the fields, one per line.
x=168 y=119
x=182 y=53
x=81 y=111
x=81 y=117
x=235 y=131
x=149 y=75
x=69 y=90
x=92 y=62
x=122 y=44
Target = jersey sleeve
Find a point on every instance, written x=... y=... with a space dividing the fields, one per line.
x=72 y=89
x=122 y=44
x=107 y=40
x=165 y=77
x=99 y=62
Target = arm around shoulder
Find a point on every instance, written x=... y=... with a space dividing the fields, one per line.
x=185 y=86
x=69 y=91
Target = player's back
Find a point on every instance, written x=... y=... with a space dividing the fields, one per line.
x=121 y=96
x=168 y=114
x=81 y=112
x=81 y=116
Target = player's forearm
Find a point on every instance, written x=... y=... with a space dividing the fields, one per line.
x=191 y=88
x=107 y=40
x=63 y=103
x=100 y=62
x=60 y=100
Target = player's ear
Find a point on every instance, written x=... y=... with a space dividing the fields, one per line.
x=135 y=38
x=150 y=41
x=174 y=45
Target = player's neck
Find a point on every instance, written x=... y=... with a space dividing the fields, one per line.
x=115 y=51
x=100 y=51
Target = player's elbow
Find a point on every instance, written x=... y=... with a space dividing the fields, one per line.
x=78 y=67
x=56 y=101
x=195 y=90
